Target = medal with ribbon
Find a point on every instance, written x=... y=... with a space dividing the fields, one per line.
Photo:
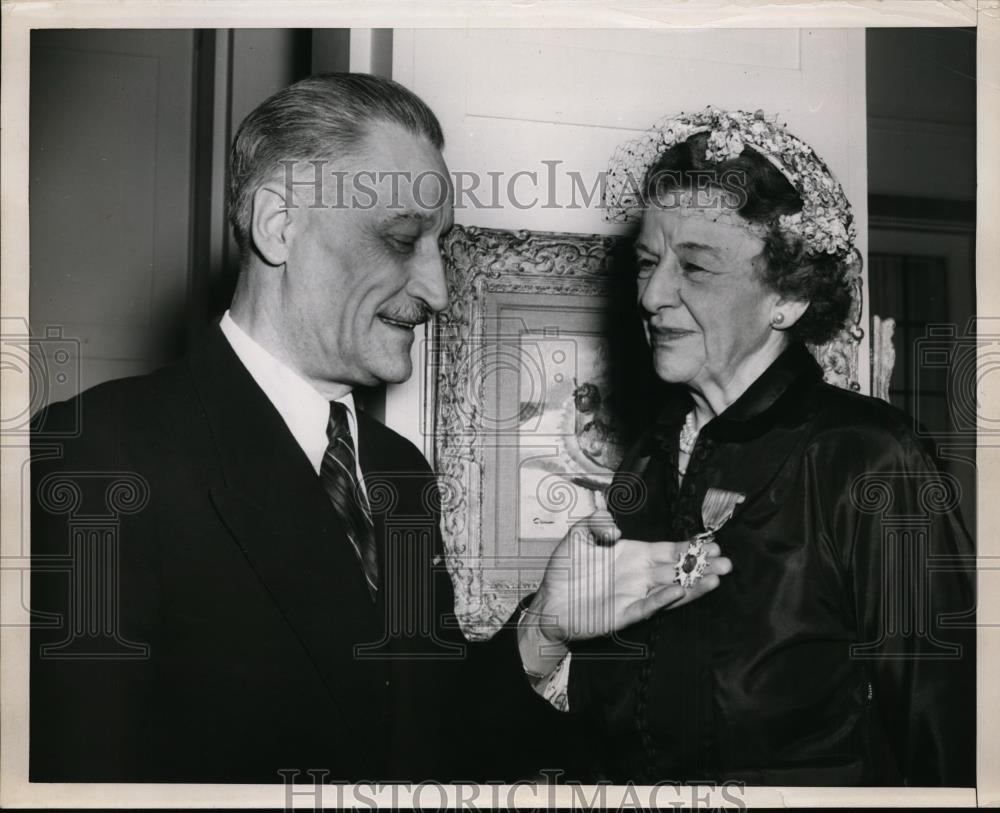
x=716 y=510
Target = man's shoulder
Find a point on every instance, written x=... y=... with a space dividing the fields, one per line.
x=115 y=410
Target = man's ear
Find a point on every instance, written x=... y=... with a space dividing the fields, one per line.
x=272 y=223
x=786 y=312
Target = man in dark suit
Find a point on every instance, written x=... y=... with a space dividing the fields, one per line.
x=235 y=572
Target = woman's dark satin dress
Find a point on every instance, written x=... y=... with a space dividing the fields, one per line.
x=840 y=650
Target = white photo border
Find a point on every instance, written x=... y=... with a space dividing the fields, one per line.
x=20 y=17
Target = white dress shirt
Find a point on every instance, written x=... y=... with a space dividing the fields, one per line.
x=304 y=410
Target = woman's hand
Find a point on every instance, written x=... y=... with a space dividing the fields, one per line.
x=597 y=583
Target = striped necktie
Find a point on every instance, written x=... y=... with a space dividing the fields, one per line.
x=338 y=473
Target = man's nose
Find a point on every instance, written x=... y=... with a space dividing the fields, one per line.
x=428 y=280
x=662 y=288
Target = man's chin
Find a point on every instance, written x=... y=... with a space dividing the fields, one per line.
x=395 y=372
x=389 y=359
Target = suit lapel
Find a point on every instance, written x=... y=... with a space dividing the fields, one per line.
x=401 y=507
x=381 y=479
x=271 y=500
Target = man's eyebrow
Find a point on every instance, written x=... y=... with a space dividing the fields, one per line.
x=640 y=246
x=395 y=217
x=700 y=247
x=421 y=218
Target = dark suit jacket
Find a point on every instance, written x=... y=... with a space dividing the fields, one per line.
x=198 y=614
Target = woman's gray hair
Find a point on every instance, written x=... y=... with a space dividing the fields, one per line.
x=321 y=117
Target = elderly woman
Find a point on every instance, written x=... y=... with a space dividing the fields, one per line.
x=831 y=655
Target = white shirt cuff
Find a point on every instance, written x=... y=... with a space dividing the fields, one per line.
x=555 y=686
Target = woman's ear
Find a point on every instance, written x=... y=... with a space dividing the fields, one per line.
x=786 y=312
x=271 y=223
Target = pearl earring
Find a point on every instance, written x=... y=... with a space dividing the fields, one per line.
x=777 y=319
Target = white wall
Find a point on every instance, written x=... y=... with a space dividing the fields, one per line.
x=510 y=99
x=111 y=115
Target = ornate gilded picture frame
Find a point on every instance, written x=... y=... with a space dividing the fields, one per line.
x=537 y=366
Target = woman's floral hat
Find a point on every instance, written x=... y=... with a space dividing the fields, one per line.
x=825 y=224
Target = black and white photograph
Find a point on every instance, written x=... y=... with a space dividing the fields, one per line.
x=499 y=411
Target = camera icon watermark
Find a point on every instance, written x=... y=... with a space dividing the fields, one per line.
x=958 y=361
x=47 y=368
x=516 y=382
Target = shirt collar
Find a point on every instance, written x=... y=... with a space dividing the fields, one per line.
x=305 y=411
x=794 y=365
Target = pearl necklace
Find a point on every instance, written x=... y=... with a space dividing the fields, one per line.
x=689 y=434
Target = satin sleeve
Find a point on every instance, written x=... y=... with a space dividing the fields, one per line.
x=908 y=563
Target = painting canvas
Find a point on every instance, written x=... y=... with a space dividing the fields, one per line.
x=563 y=479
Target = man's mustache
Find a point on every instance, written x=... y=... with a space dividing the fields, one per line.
x=416 y=315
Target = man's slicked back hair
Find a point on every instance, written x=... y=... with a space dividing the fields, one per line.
x=325 y=116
